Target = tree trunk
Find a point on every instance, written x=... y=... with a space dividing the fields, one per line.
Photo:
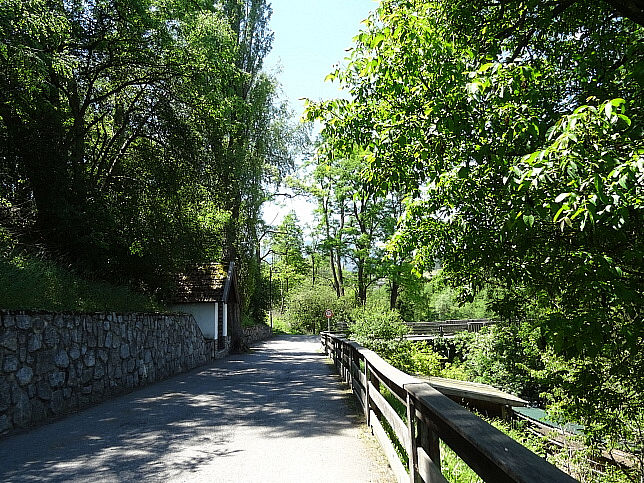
x=340 y=276
x=335 y=281
x=362 y=284
x=393 y=295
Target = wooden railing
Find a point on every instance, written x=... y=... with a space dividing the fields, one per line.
x=437 y=328
x=447 y=327
x=423 y=417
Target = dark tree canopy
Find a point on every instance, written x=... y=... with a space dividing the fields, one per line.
x=136 y=136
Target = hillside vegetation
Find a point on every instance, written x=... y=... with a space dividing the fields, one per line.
x=34 y=283
x=139 y=138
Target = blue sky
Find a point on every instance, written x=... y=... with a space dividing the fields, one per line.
x=311 y=36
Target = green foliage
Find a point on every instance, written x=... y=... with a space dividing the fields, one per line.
x=456 y=347
x=248 y=321
x=305 y=307
x=31 y=283
x=518 y=138
x=455 y=370
x=509 y=357
x=281 y=326
x=287 y=263
x=138 y=138
x=618 y=425
x=437 y=300
x=420 y=360
x=573 y=458
x=287 y=245
x=384 y=331
x=374 y=325
x=353 y=224
x=454 y=469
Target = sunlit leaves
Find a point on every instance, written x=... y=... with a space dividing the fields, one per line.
x=601 y=166
x=517 y=133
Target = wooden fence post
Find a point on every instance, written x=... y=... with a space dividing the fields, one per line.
x=428 y=440
x=411 y=428
x=343 y=358
x=355 y=361
x=367 y=404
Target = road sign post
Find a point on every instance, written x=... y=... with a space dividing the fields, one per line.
x=328 y=313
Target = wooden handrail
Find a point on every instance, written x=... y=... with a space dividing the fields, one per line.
x=447 y=327
x=430 y=417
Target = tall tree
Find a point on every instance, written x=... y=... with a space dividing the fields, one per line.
x=257 y=147
x=516 y=126
x=139 y=135
x=101 y=109
x=354 y=222
x=288 y=262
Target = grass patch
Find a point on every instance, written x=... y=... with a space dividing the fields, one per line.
x=282 y=327
x=30 y=283
x=400 y=449
x=454 y=469
x=394 y=402
x=248 y=321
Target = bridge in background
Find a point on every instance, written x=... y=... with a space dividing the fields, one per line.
x=419 y=331
x=447 y=328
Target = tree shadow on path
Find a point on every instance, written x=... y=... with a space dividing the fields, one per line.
x=282 y=389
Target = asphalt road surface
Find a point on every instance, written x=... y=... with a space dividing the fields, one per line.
x=277 y=414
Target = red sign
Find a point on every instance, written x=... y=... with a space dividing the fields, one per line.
x=328 y=313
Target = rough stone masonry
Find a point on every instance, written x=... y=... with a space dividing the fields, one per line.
x=54 y=363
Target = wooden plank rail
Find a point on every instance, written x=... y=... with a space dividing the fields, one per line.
x=447 y=327
x=430 y=417
x=436 y=328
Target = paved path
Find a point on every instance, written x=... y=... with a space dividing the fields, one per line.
x=278 y=414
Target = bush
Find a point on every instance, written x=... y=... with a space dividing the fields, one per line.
x=509 y=357
x=305 y=308
x=383 y=332
x=374 y=325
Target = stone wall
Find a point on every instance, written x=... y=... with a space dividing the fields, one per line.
x=54 y=363
x=256 y=333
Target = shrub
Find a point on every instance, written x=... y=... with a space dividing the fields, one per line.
x=384 y=333
x=373 y=325
x=509 y=357
x=305 y=308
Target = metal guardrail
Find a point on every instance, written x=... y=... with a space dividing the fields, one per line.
x=430 y=417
